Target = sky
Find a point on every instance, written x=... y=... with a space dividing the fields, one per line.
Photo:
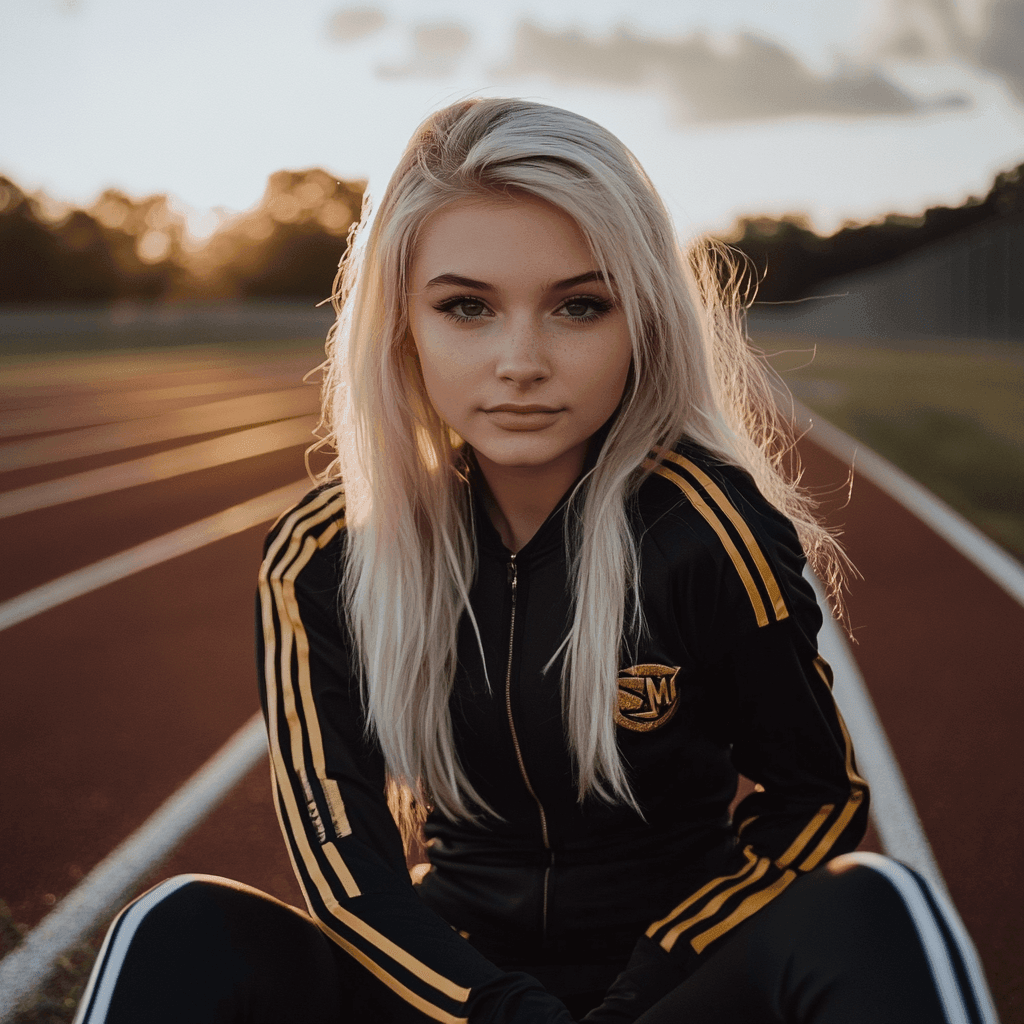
x=837 y=109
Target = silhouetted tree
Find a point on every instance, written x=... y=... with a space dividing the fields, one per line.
x=119 y=248
x=791 y=260
x=289 y=245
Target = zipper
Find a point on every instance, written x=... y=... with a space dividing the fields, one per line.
x=513 y=575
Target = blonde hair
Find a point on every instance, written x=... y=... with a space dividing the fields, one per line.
x=410 y=549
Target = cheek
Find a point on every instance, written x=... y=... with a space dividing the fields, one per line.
x=441 y=372
x=608 y=372
x=444 y=377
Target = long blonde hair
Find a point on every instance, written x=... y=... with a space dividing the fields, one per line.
x=410 y=549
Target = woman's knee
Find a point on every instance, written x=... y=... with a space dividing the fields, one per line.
x=204 y=942
x=904 y=918
x=181 y=898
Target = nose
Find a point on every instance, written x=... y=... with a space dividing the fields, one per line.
x=521 y=356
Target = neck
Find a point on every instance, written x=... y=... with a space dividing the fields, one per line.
x=519 y=498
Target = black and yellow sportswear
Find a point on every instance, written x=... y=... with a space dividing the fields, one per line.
x=726 y=679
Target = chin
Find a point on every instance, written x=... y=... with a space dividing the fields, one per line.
x=525 y=453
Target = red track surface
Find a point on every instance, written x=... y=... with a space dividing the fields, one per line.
x=112 y=700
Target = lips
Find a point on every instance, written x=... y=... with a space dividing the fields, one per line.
x=523 y=410
x=510 y=416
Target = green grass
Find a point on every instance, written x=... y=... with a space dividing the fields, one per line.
x=950 y=415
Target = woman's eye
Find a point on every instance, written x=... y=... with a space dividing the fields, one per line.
x=463 y=308
x=585 y=307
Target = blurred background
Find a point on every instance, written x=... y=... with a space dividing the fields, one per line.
x=177 y=184
x=200 y=156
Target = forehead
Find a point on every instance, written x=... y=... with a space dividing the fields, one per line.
x=514 y=236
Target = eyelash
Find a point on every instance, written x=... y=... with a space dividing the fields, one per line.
x=598 y=308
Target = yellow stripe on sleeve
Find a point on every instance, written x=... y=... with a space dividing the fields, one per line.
x=753 y=548
x=749 y=906
x=274 y=594
x=858 y=785
x=715 y=523
x=806 y=835
x=670 y=938
x=703 y=891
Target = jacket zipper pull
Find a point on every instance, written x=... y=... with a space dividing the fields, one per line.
x=512 y=574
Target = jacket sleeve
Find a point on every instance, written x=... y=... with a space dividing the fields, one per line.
x=329 y=792
x=774 y=692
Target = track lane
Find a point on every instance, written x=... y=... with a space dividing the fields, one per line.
x=189 y=421
x=954 y=741
x=940 y=647
x=49 y=542
x=113 y=698
x=190 y=458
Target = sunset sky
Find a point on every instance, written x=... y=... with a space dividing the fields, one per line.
x=836 y=108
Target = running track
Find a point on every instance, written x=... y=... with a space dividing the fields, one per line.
x=113 y=698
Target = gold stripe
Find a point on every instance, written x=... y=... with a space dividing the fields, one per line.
x=829 y=838
x=284 y=831
x=286 y=595
x=339 y=817
x=713 y=906
x=744 y=824
x=357 y=924
x=808 y=832
x=858 y=785
x=749 y=906
x=824 y=669
x=294 y=816
x=298 y=832
x=713 y=521
x=421 y=1004
x=342 y=871
x=703 y=891
x=709 y=485
x=386 y=945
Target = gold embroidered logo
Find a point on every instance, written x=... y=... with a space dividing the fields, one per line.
x=647 y=697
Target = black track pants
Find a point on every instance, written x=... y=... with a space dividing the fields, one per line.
x=863 y=940
x=860 y=940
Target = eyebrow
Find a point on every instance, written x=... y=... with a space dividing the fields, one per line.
x=483 y=286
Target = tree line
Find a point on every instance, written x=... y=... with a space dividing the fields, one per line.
x=788 y=260
x=121 y=248
x=289 y=244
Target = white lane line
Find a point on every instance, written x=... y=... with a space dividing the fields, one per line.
x=892 y=807
x=168 y=426
x=191 y=458
x=111 y=406
x=113 y=881
x=965 y=537
x=151 y=552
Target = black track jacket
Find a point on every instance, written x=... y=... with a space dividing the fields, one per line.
x=727 y=680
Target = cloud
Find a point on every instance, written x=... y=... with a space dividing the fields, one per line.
x=437 y=49
x=937 y=30
x=753 y=79
x=931 y=29
x=352 y=23
x=1001 y=47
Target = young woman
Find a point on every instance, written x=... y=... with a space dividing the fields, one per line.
x=549 y=598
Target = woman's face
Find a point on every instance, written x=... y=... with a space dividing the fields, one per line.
x=523 y=349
